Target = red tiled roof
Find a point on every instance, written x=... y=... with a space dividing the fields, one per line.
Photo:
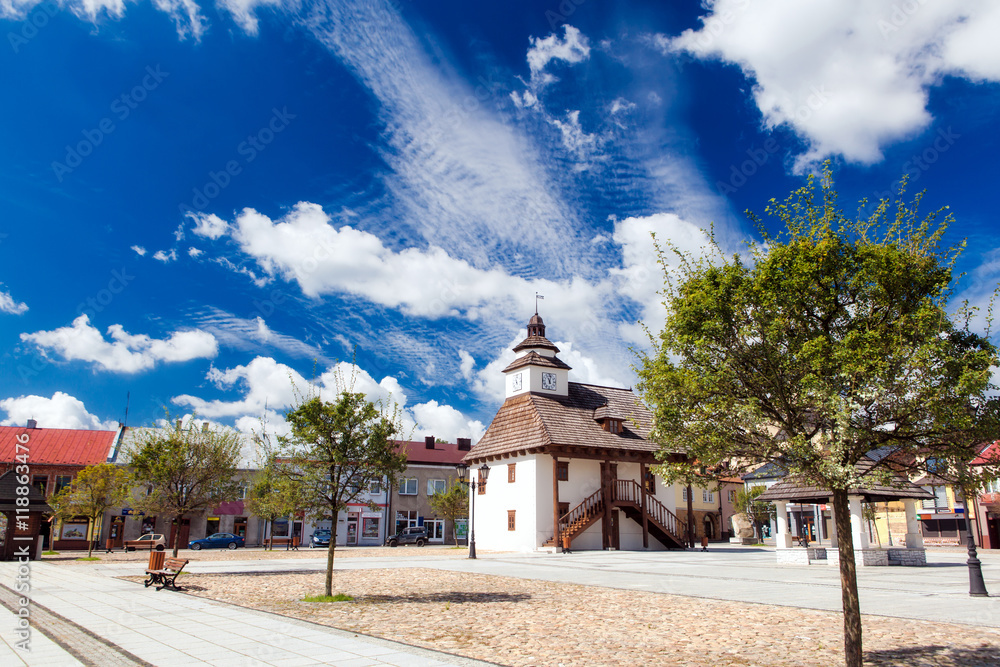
x=989 y=454
x=444 y=453
x=58 y=446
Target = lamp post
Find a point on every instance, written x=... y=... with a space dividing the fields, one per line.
x=484 y=472
x=977 y=586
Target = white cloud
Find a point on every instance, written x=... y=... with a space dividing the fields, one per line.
x=254 y=333
x=185 y=13
x=244 y=12
x=9 y=305
x=849 y=77
x=576 y=141
x=267 y=385
x=139 y=250
x=165 y=257
x=572 y=48
x=208 y=225
x=195 y=252
x=306 y=248
x=128 y=353
x=60 y=411
x=466 y=364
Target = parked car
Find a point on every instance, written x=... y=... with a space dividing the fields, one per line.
x=148 y=541
x=413 y=535
x=320 y=538
x=217 y=541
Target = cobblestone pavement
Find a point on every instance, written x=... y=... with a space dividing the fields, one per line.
x=515 y=621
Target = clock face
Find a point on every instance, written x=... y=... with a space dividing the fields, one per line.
x=515 y=382
x=549 y=381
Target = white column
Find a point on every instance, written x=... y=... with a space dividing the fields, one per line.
x=858 y=532
x=833 y=526
x=914 y=539
x=783 y=540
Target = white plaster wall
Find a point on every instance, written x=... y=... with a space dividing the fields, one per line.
x=501 y=495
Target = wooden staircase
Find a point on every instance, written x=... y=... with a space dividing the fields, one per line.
x=626 y=495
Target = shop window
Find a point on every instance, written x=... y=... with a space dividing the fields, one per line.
x=510 y=520
x=212 y=525
x=406 y=519
x=370 y=526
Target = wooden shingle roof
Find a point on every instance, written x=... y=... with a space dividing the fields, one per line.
x=532 y=422
x=537 y=342
x=792 y=490
x=535 y=359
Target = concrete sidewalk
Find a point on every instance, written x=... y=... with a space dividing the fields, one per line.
x=937 y=592
x=168 y=628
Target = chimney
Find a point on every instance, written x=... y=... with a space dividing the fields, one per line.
x=204 y=427
x=464 y=444
x=429 y=442
x=32 y=423
x=177 y=424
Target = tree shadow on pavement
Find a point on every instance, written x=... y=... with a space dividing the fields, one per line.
x=936 y=656
x=456 y=597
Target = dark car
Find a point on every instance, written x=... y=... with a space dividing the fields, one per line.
x=414 y=535
x=218 y=541
x=320 y=538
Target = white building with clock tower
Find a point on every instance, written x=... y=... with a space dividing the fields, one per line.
x=569 y=463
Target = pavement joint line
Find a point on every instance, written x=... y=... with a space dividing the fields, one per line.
x=73 y=638
x=395 y=646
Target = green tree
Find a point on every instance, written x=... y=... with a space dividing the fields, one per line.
x=186 y=469
x=332 y=454
x=831 y=340
x=756 y=512
x=272 y=496
x=95 y=489
x=451 y=504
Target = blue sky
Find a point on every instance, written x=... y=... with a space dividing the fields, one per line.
x=202 y=204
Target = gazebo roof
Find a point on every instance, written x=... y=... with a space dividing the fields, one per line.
x=8 y=495
x=792 y=490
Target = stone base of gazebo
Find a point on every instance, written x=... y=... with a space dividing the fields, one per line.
x=887 y=556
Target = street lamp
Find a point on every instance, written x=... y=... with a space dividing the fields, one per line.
x=977 y=586
x=484 y=472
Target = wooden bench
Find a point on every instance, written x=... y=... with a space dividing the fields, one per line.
x=167 y=576
x=289 y=542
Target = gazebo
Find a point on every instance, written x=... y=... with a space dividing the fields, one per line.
x=19 y=528
x=796 y=491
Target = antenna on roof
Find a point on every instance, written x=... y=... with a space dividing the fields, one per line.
x=128 y=397
x=537 y=297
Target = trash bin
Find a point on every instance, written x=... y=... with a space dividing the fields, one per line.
x=156 y=559
x=109 y=545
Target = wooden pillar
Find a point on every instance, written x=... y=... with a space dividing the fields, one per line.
x=555 y=505
x=606 y=496
x=643 y=471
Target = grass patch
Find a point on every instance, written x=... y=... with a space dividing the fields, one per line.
x=50 y=553
x=88 y=558
x=339 y=597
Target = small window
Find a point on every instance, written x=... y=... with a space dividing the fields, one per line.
x=374 y=487
x=510 y=472
x=707 y=496
x=684 y=493
x=40 y=482
x=241 y=494
x=408 y=486
x=510 y=520
x=651 y=483
x=435 y=486
x=613 y=426
x=731 y=495
x=481 y=484
x=62 y=481
x=562 y=471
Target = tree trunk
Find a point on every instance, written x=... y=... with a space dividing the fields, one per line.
x=177 y=533
x=329 y=558
x=93 y=529
x=853 y=653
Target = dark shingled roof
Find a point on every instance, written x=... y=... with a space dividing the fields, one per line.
x=537 y=422
x=535 y=359
x=9 y=495
x=536 y=342
x=790 y=490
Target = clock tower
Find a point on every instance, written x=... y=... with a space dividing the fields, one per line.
x=538 y=369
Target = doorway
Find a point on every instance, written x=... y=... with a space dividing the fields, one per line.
x=352 y=528
x=240 y=526
x=435 y=530
x=116 y=533
x=183 y=536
